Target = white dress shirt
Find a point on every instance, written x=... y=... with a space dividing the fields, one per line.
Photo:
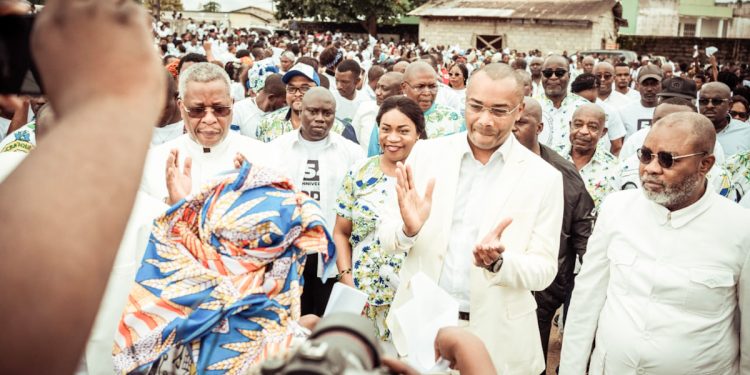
x=247 y=115
x=473 y=187
x=335 y=158
x=206 y=165
x=668 y=293
x=364 y=121
x=735 y=137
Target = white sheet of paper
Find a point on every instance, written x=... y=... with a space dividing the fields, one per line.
x=345 y=299
x=430 y=309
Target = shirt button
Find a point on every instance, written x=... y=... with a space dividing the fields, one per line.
x=641 y=371
x=647 y=336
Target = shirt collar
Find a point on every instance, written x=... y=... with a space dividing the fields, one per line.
x=218 y=149
x=681 y=217
x=502 y=152
x=431 y=109
x=328 y=141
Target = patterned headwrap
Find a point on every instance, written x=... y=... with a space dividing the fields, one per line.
x=220 y=282
x=336 y=60
x=256 y=77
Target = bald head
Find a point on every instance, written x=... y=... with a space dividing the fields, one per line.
x=400 y=66
x=555 y=59
x=604 y=67
x=417 y=68
x=318 y=94
x=533 y=108
x=497 y=72
x=701 y=135
x=590 y=109
x=588 y=64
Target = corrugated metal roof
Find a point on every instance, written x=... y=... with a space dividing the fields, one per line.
x=574 y=10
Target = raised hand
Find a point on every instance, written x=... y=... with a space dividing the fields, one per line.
x=414 y=209
x=490 y=249
x=238 y=160
x=179 y=182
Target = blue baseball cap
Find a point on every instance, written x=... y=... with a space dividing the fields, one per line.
x=301 y=69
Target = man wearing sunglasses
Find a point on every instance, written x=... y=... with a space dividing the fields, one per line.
x=606 y=93
x=718 y=177
x=300 y=79
x=665 y=282
x=175 y=168
x=637 y=115
x=713 y=103
x=557 y=105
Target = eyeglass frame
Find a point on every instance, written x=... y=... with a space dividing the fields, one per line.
x=296 y=90
x=712 y=101
x=554 y=72
x=491 y=110
x=424 y=88
x=205 y=112
x=663 y=163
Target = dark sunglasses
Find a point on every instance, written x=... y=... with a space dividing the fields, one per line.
x=559 y=72
x=200 y=112
x=738 y=114
x=666 y=160
x=604 y=76
x=714 y=101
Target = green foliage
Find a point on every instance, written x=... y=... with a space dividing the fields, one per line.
x=211 y=6
x=368 y=12
x=166 y=5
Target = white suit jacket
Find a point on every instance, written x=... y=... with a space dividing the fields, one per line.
x=502 y=307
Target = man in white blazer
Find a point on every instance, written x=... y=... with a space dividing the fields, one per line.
x=488 y=227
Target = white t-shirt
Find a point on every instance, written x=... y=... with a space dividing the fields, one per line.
x=615 y=127
x=345 y=108
x=635 y=117
x=238 y=92
x=617 y=100
x=167 y=133
x=247 y=115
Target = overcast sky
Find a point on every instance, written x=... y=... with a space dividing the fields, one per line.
x=228 y=5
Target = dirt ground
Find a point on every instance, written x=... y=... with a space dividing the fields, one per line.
x=553 y=353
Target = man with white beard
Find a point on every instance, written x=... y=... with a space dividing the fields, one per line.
x=665 y=283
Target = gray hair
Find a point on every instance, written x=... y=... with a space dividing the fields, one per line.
x=289 y=55
x=203 y=72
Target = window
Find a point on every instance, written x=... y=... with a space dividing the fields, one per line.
x=688 y=29
x=489 y=41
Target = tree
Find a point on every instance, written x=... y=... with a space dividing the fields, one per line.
x=367 y=12
x=211 y=6
x=163 y=5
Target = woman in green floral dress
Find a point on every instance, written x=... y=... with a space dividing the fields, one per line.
x=368 y=195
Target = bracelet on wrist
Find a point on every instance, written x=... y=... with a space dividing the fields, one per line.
x=342 y=273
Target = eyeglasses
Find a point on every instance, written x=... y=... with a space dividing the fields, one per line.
x=665 y=159
x=455 y=74
x=559 y=72
x=423 y=88
x=738 y=114
x=606 y=76
x=496 y=111
x=200 y=112
x=714 y=101
x=294 y=90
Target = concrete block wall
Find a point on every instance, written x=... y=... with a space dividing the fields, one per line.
x=517 y=35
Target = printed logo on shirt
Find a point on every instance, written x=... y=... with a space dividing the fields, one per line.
x=643 y=122
x=311 y=180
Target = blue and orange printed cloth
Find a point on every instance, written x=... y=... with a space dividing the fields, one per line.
x=219 y=286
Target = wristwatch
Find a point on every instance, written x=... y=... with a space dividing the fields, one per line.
x=495 y=266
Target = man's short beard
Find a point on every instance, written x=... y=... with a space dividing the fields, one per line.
x=674 y=195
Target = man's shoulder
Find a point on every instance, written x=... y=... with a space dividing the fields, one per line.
x=277 y=114
x=349 y=146
x=565 y=167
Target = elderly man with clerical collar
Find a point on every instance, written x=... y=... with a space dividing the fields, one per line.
x=175 y=168
x=420 y=85
x=734 y=135
x=316 y=159
x=576 y=226
x=597 y=166
x=665 y=283
x=300 y=79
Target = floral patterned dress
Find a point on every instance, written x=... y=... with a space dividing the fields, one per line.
x=738 y=166
x=367 y=197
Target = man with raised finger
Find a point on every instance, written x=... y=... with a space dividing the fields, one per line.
x=491 y=233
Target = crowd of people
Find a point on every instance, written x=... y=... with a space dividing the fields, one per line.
x=522 y=184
